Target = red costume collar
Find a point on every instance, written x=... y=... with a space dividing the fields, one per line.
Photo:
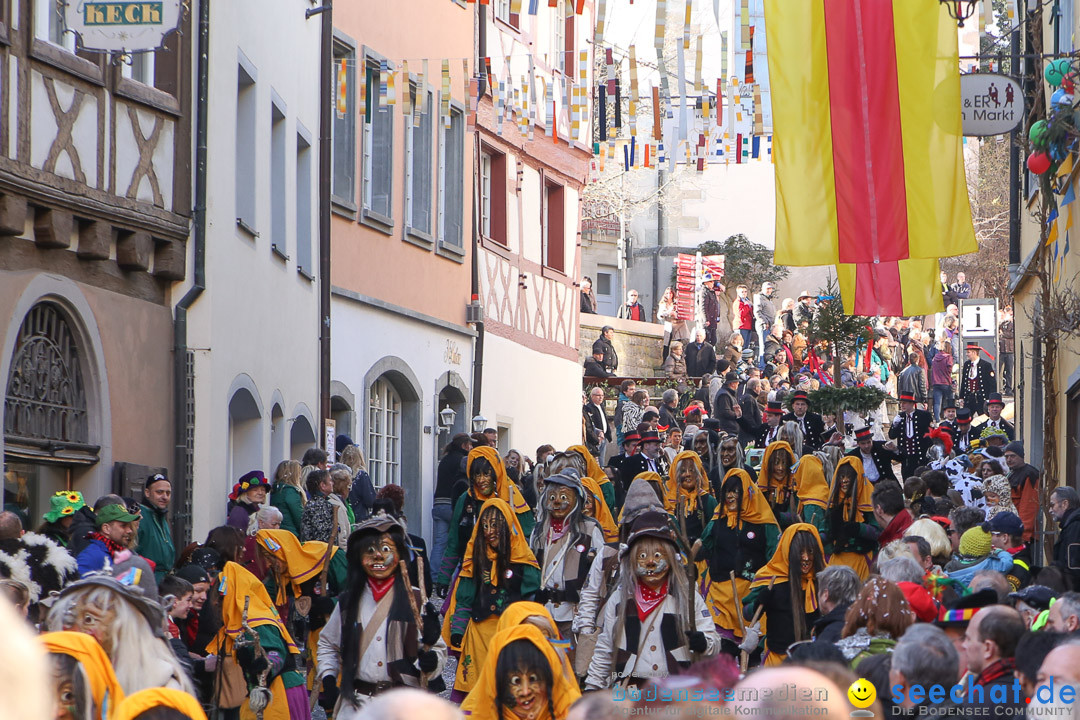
x=648 y=599
x=379 y=588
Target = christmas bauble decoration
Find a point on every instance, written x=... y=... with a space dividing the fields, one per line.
x=1038 y=132
x=1056 y=71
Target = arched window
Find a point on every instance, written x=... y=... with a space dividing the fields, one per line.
x=45 y=402
x=384 y=433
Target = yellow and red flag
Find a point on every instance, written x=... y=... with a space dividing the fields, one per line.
x=868 y=143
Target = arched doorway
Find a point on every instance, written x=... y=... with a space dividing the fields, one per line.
x=49 y=418
x=277 y=438
x=343 y=410
x=245 y=434
x=393 y=427
x=453 y=395
x=301 y=436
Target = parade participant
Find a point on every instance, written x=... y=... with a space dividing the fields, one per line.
x=775 y=479
x=852 y=530
x=114 y=533
x=525 y=612
x=564 y=543
x=994 y=405
x=812 y=489
x=641 y=497
x=731 y=457
x=123 y=614
x=498 y=569
x=296 y=572
x=589 y=467
x=909 y=430
x=253 y=635
x=63 y=507
x=789 y=611
x=876 y=459
x=706 y=443
x=655 y=622
x=977 y=380
x=811 y=423
x=161 y=703
x=616 y=462
x=688 y=489
x=248 y=494
x=376 y=639
x=770 y=432
x=487 y=479
x=596 y=507
x=155 y=537
x=523 y=678
x=963 y=436
x=739 y=539
x=649 y=457
x=84 y=681
x=791 y=433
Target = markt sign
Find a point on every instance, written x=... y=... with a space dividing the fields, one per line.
x=122 y=25
x=991 y=104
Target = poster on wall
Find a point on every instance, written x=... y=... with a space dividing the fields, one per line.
x=330 y=439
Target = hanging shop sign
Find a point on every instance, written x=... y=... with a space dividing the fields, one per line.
x=991 y=104
x=122 y=25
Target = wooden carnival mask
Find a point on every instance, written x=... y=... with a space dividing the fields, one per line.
x=652 y=561
x=380 y=559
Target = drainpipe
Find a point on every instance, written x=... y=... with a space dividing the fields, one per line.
x=182 y=483
x=478 y=345
x=326 y=96
x=1014 y=167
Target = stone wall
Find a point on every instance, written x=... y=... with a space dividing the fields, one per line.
x=640 y=345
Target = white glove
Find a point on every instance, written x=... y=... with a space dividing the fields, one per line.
x=752 y=638
x=259 y=699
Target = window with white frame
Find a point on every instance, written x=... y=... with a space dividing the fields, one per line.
x=418 y=164
x=139 y=67
x=384 y=434
x=279 y=233
x=343 y=184
x=1063 y=21
x=452 y=181
x=304 y=230
x=49 y=25
x=558 y=35
x=245 y=148
x=485 y=194
x=378 y=170
x=502 y=12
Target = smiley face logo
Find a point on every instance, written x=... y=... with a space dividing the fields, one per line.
x=862 y=693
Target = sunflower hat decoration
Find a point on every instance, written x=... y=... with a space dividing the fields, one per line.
x=64 y=504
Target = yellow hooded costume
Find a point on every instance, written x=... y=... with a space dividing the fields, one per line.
x=238 y=586
x=863 y=489
x=104 y=687
x=482 y=701
x=136 y=704
x=777 y=572
x=755 y=510
x=477 y=635
x=601 y=511
x=593 y=470
x=777 y=492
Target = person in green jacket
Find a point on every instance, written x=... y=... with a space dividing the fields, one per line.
x=155 y=537
x=288 y=496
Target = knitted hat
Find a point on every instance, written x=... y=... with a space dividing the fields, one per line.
x=1016 y=447
x=975 y=542
x=249 y=481
x=64 y=504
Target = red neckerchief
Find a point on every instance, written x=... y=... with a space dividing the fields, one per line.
x=1016 y=550
x=1002 y=667
x=648 y=599
x=191 y=628
x=380 y=587
x=557 y=530
x=112 y=547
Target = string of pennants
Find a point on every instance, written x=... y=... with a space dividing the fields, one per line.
x=692 y=130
